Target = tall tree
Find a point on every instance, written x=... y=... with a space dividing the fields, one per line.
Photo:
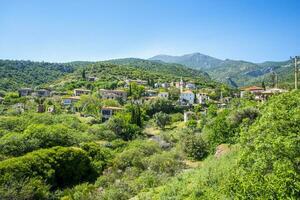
x=83 y=75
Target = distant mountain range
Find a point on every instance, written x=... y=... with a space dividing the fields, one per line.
x=234 y=72
x=195 y=60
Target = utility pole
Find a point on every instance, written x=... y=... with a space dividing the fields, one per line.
x=296 y=74
x=276 y=80
x=296 y=71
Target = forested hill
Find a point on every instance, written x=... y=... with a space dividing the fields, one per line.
x=111 y=74
x=161 y=68
x=16 y=74
x=19 y=73
x=239 y=72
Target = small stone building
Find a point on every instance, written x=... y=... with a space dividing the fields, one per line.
x=109 y=111
x=113 y=94
x=25 y=92
x=79 y=92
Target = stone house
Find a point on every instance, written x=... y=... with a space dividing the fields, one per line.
x=202 y=98
x=68 y=101
x=42 y=93
x=109 y=111
x=163 y=95
x=79 y=92
x=113 y=94
x=25 y=92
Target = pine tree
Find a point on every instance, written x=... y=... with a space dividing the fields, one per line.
x=83 y=74
x=263 y=85
x=138 y=116
x=130 y=90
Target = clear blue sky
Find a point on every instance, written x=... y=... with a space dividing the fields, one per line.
x=68 y=30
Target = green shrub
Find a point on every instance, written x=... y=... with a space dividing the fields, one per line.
x=269 y=163
x=176 y=117
x=101 y=156
x=40 y=136
x=194 y=146
x=59 y=167
x=101 y=132
x=219 y=130
x=159 y=105
x=83 y=191
x=166 y=162
x=121 y=126
x=33 y=188
x=161 y=119
x=192 y=124
x=134 y=153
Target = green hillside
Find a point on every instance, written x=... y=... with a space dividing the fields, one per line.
x=164 y=69
x=16 y=74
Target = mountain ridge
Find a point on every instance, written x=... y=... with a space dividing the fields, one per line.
x=240 y=72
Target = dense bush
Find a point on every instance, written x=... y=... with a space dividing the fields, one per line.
x=101 y=132
x=194 y=146
x=161 y=119
x=227 y=125
x=121 y=126
x=101 y=156
x=20 y=123
x=219 y=130
x=59 y=167
x=83 y=191
x=40 y=136
x=12 y=124
x=165 y=162
x=176 y=117
x=269 y=163
x=28 y=188
x=159 y=105
x=134 y=154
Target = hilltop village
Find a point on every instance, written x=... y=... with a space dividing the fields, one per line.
x=186 y=95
